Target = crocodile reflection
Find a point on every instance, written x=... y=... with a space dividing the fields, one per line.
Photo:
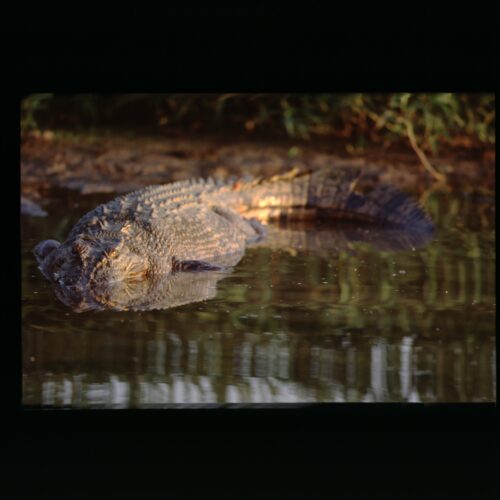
x=164 y=292
x=180 y=288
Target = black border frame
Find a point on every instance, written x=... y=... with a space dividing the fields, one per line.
x=328 y=54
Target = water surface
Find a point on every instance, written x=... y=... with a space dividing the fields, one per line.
x=338 y=320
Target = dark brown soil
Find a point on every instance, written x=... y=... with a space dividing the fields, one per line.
x=121 y=164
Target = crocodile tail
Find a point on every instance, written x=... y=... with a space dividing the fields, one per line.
x=292 y=195
x=389 y=207
x=334 y=197
x=328 y=194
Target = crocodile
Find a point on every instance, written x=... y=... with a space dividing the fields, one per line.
x=179 y=288
x=140 y=242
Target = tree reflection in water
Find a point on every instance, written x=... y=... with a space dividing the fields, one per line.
x=265 y=368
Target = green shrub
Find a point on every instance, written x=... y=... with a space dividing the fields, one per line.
x=434 y=119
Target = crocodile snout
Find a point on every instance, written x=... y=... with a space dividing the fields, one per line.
x=44 y=248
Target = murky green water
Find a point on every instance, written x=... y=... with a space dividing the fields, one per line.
x=309 y=316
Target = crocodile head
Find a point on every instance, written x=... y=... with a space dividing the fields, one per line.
x=88 y=272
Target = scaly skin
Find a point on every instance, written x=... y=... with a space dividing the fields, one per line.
x=123 y=249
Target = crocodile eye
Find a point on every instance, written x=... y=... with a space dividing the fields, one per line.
x=81 y=249
x=78 y=248
x=110 y=253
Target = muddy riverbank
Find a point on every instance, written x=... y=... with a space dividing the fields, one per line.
x=118 y=164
